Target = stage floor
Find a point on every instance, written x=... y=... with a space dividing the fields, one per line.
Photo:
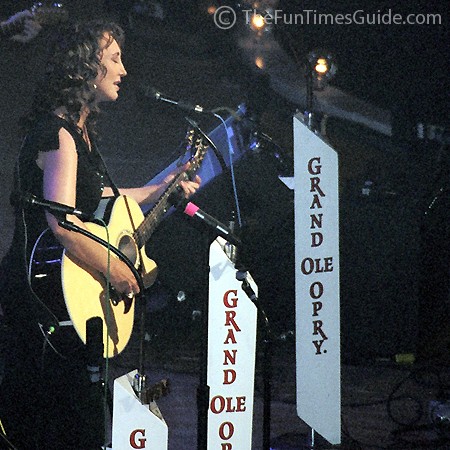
x=385 y=405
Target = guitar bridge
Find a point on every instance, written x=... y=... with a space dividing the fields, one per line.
x=115 y=298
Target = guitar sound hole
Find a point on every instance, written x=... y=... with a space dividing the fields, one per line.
x=128 y=247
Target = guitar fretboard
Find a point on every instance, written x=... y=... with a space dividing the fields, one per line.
x=155 y=215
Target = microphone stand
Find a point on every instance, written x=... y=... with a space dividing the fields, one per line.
x=308 y=115
x=203 y=387
x=59 y=209
x=241 y=275
x=7 y=442
x=140 y=379
x=139 y=385
x=203 y=390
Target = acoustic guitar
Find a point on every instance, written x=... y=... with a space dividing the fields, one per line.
x=75 y=292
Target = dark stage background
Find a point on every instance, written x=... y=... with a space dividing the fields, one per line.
x=385 y=309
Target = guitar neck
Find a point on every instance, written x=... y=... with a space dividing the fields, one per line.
x=165 y=202
x=152 y=220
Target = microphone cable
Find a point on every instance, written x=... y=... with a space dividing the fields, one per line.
x=233 y=178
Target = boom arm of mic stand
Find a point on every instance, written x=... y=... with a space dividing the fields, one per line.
x=7 y=442
x=241 y=275
x=72 y=227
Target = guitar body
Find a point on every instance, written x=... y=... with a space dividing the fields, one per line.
x=83 y=291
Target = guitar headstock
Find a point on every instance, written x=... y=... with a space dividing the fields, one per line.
x=196 y=148
x=197 y=143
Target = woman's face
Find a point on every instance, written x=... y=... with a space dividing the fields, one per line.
x=108 y=82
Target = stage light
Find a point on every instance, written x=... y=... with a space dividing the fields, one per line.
x=211 y=9
x=322 y=66
x=257 y=22
x=260 y=18
x=259 y=62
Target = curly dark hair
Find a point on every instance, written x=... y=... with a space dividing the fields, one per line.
x=72 y=65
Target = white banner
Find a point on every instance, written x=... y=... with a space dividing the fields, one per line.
x=317 y=283
x=231 y=356
x=136 y=426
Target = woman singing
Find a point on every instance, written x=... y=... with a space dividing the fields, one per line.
x=42 y=402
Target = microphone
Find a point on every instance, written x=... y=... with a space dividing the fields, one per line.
x=28 y=200
x=151 y=92
x=94 y=348
x=222 y=230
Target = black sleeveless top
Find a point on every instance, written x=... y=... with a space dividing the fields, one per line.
x=30 y=222
x=29 y=177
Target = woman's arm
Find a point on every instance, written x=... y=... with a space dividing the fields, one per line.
x=152 y=192
x=60 y=177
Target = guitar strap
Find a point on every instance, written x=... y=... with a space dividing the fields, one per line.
x=99 y=156
x=112 y=185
